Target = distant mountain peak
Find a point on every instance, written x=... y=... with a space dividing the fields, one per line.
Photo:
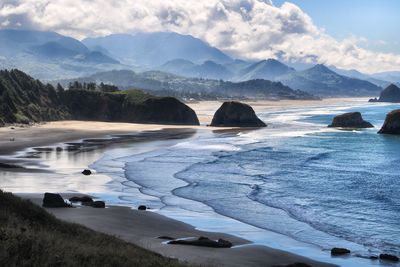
x=322 y=68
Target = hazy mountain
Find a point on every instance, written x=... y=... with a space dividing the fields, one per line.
x=155 y=49
x=359 y=75
x=177 y=66
x=161 y=83
x=14 y=42
x=268 y=69
x=49 y=55
x=237 y=66
x=322 y=81
x=391 y=76
x=208 y=70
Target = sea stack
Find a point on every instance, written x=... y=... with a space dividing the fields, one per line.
x=392 y=123
x=236 y=114
x=389 y=94
x=350 y=120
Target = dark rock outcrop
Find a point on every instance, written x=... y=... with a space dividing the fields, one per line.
x=95 y=204
x=81 y=199
x=203 y=242
x=392 y=123
x=389 y=257
x=142 y=207
x=86 y=172
x=350 y=120
x=236 y=114
x=54 y=201
x=339 y=251
x=161 y=110
x=389 y=94
x=127 y=106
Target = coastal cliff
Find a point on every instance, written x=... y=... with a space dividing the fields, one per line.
x=24 y=100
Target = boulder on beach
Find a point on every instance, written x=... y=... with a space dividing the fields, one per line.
x=86 y=172
x=142 y=207
x=81 y=199
x=392 y=123
x=54 y=201
x=389 y=94
x=350 y=120
x=389 y=257
x=95 y=204
x=98 y=204
x=203 y=242
x=339 y=251
x=236 y=114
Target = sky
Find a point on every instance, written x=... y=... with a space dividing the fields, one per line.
x=354 y=34
x=375 y=20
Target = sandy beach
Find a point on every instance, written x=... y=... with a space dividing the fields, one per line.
x=143 y=228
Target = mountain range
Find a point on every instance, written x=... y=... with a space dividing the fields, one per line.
x=48 y=54
x=155 y=49
x=52 y=56
x=163 y=84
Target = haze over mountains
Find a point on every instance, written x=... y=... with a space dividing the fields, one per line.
x=51 y=56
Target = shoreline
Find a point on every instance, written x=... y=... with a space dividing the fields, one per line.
x=249 y=254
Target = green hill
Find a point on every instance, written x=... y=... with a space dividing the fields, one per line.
x=24 y=100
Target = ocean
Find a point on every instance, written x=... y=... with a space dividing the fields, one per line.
x=298 y=178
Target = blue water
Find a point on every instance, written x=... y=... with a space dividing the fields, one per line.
x=320 y=186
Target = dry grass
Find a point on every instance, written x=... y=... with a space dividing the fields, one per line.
x=30 y=236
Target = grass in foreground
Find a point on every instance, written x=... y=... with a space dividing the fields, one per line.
x=30 y=236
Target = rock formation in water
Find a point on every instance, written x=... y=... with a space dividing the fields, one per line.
x=236 y=114
x=389 y=94
x=25 y=100
x=392 y=123
x=350 y=120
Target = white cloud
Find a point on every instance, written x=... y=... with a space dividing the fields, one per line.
x=254 y=29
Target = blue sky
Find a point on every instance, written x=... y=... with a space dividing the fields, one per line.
x=376 y=20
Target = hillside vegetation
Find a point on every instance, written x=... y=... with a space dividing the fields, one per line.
x=24 y=99
x=30 y=236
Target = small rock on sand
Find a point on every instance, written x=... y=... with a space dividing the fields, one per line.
x=86 y=172
x=203 y=242
x=142 y=207
x=339 y=251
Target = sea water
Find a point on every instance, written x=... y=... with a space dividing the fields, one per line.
x=298 y=178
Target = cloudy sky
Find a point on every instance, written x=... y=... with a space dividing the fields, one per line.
x=362 y=34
